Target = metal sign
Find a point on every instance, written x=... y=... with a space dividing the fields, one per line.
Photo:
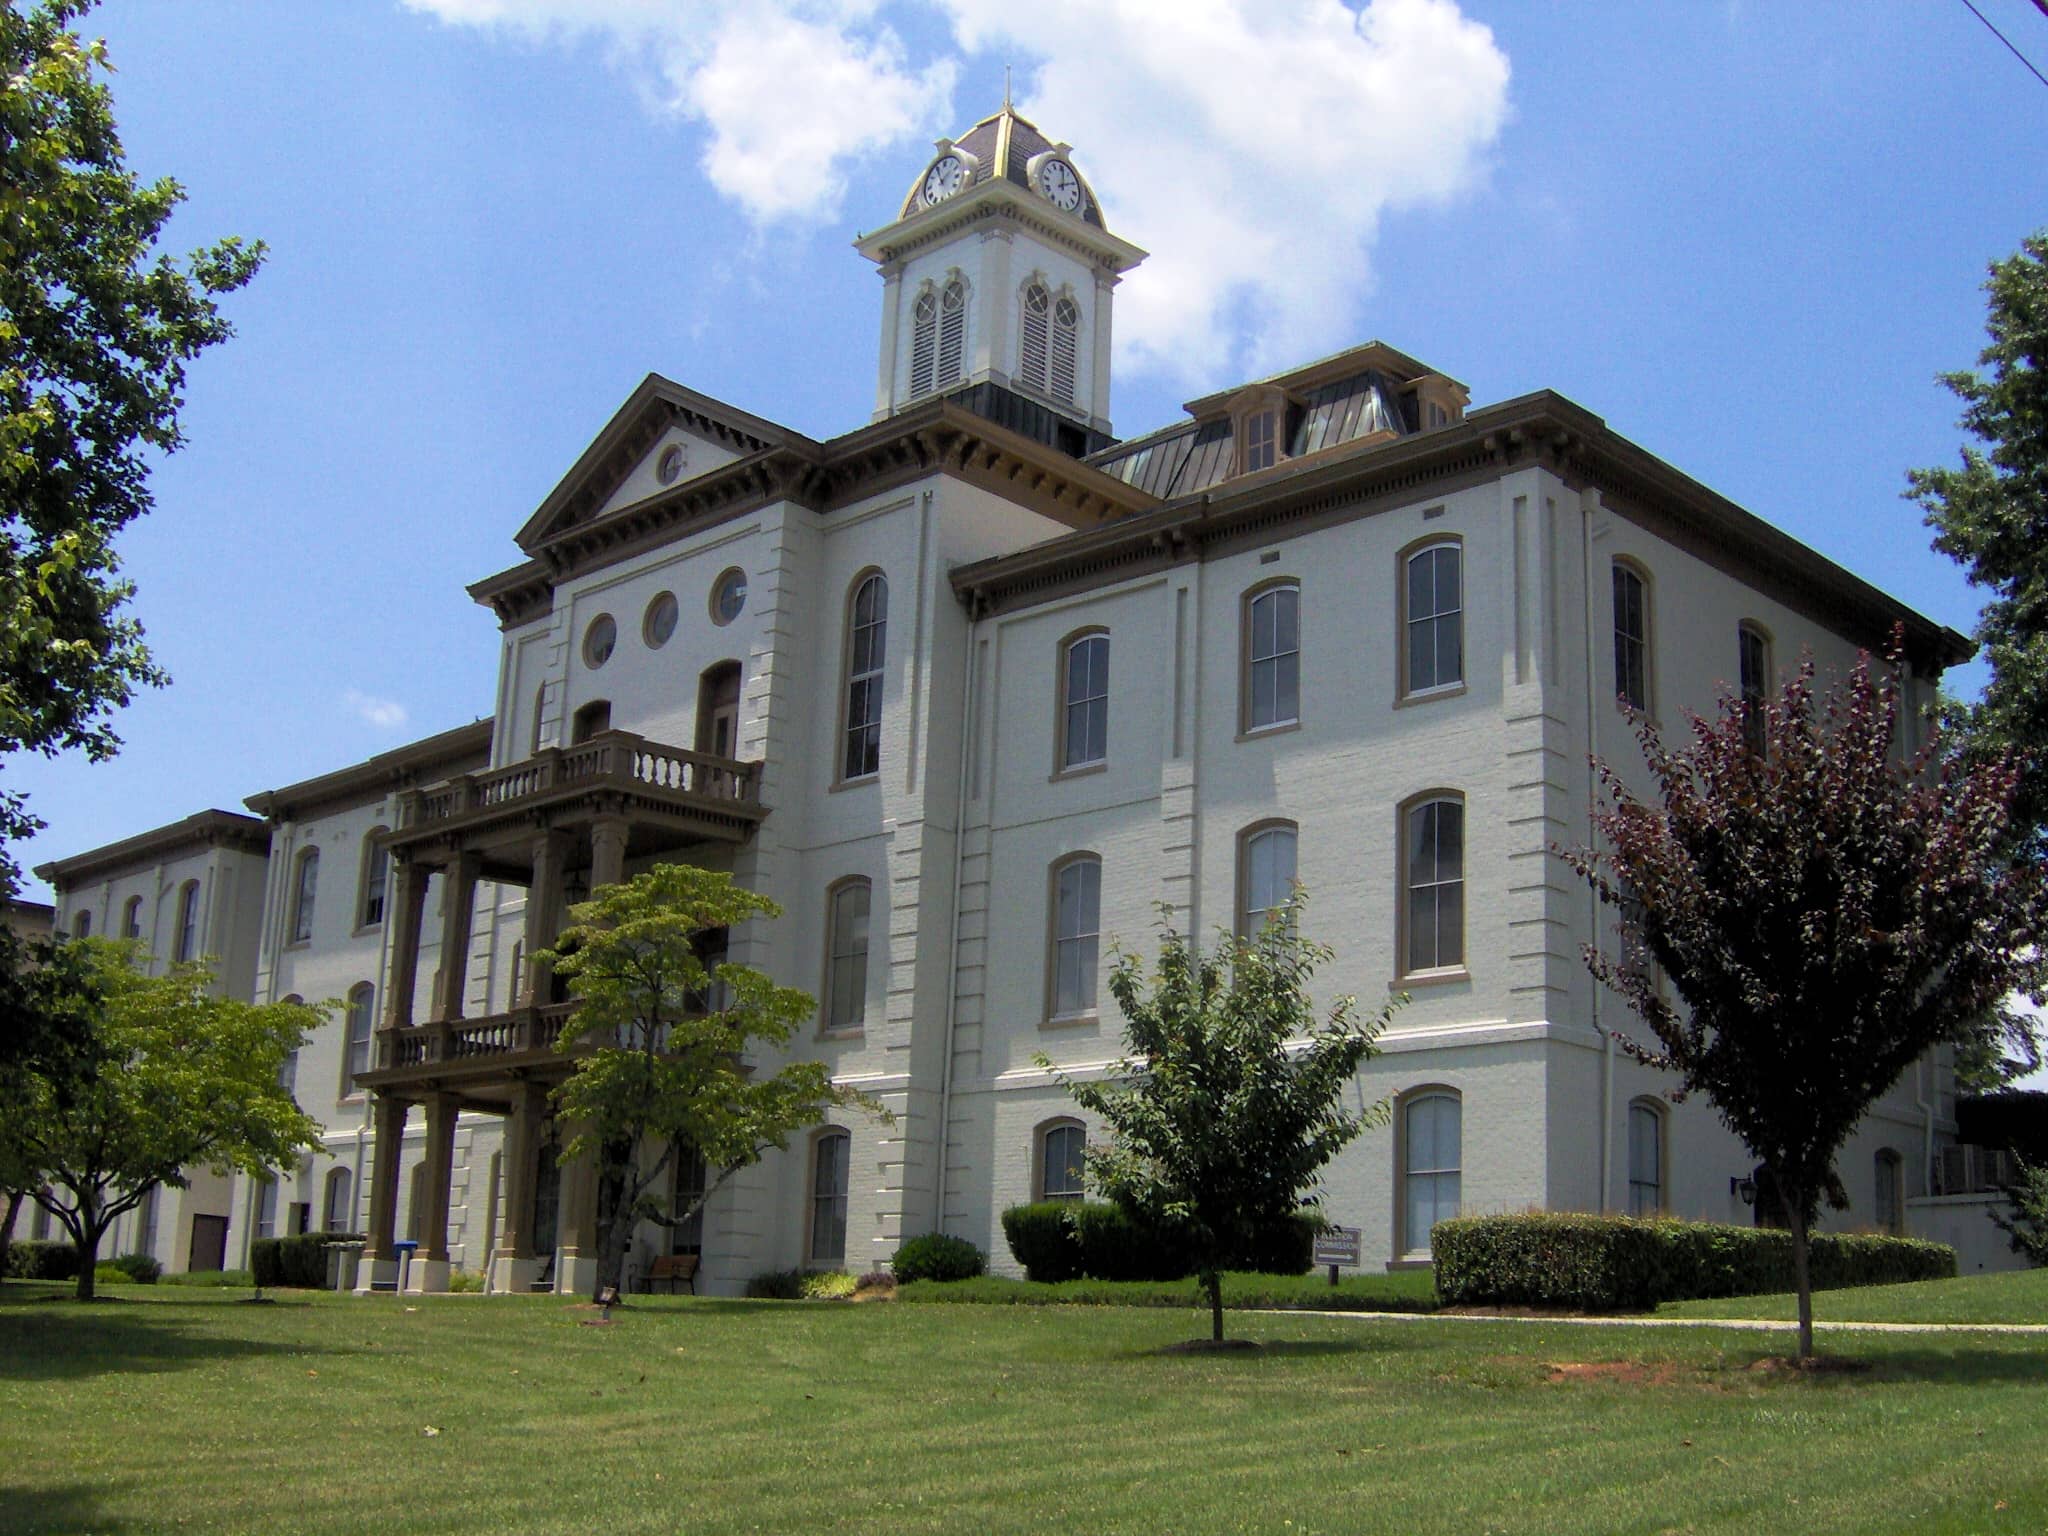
x=1340 y=1245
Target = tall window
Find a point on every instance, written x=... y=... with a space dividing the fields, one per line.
x=1084 y=692
x=1272 y=684
x=924 y=341
x=687 y=1235
x=1066 y=348
x=266 y=1207
x=1891 y=1191
x=540 y=699
x=1631 y=638
x=1431 y=1137
x=846 y=956
x=1076 y=934
x=145 y=1222
x=362 y=1002
x=188 y=921
x=1034 y=337
x=867 y=635
x=1433 y=865
x=1753 y=663
x=952 y=332
x=831 y=1158
x=1259 y=450
x=131 y=918
x=376 y=868
x=1266 y=865
x=81 y=924
x=1060 y=1161
x=1645 y=1159
x=338 y=1208
x=302 y=895
x=1434 y=632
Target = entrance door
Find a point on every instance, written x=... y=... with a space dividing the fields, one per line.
x=209 y=1244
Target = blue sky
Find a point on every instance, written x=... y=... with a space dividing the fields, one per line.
x=1747 y=234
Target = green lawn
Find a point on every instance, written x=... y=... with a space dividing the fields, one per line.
x=189 y=1411
x=2018 y=1296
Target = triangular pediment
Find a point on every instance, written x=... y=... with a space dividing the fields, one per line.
x=663 y=430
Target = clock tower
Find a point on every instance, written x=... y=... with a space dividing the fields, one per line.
x=999 y=275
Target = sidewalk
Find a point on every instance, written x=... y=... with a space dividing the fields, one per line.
x=1767 y=1325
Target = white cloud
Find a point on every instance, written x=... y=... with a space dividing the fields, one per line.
x=382 y=714
x=1252 y=145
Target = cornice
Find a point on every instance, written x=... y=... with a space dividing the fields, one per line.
x=466 y=748
x=997 y=198
x=205 y=829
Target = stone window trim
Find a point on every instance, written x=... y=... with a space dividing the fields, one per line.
x=1248 y=602
x=1642 y=647
x=1409 y=554
x=1242 y=923
x=373 y=881
x=877 y=674
x=1649 y=1188
x=337 y=1204
x=1405 y=975
x=839 y=890
x=131 y=918
x=359 y=1030
x=1063 y=739
x=1041 y=1165
x=815 y=1161
x=1054 y=1017
x=1406 y=1246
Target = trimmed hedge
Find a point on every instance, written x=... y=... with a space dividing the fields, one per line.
x=43 y=1261
x=295 y=1262
x=1620 y=1263
x=1059 y=1240
x=139 y=1268
x=935 y=1256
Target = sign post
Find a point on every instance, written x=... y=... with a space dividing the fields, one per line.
x=1340 y=1245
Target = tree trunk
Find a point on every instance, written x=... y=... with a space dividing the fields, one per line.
x=618 y=1192
x=1798 y=1219
x=1212 y=1282
x=91 y=1229
x=14 y=1199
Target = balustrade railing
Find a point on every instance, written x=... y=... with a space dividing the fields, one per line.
x=614 y=758
x=515 y=1033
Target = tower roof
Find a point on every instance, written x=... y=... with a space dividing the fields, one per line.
x=1006 y=145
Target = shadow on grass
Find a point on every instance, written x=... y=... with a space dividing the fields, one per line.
x=1250 y=1352
x=1966 y=1365
x=73 y=1342
x=64 y=1507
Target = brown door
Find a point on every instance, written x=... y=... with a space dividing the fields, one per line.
x=209 y=1244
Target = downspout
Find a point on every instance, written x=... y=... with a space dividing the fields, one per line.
x=953 y=916
x=1592 y=895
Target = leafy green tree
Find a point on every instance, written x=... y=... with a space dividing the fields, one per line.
x=662 y=1043
x=2027 y=1226
x=1826 y=911
x=1230 y=1098
x=96 y=327
x=44 y=988
x=163 y=1076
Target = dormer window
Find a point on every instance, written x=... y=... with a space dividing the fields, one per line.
x=1260 y=451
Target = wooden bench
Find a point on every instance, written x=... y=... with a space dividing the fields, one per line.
x=673 y=1269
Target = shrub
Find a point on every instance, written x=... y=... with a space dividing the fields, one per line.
x=826 y=1285
x=295 y=1262
x=43 y=1261
x=777 y=1285
x=875 y=1280
x=461 y=1281
x=1041 y=1240
x=935 y=1256
x=222 y=1279
x=2027 y=1222
x=139 y=1268
x=1059 y=1240
x=1618 y=1263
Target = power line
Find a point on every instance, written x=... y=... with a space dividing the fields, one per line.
x=2043 y=4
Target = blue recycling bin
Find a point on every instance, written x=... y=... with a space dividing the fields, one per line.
x=402 y=1251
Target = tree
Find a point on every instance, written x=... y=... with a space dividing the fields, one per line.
x=661 y=1044
x=162 y=1076
x=1229 y=1100
x=45 y=987
x=1826 y=912
x=2027 y=1226
x=96 y=328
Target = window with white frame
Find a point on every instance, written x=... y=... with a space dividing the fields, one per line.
x=691 y=1175
x=1260 y=450
x=1076 y=934
x=1631 y=637
x=867 y=637
x=1432 y=1134
x=1034 y=337
x=1061 y=1158
x=1266 y=873
x=1645 y=1159
x=1272 y=683
x=376 y=870
x=362 y=1002
x=188 y=922
x=266 y=1207
x=338 y=1207
x=1084 y=692
x=306 y=888
x=924 y=340
x=952 y=333
x=846 y=956
x=831 y=1160
x=1434 y=632
x=1066 y=348
x=1433 y=874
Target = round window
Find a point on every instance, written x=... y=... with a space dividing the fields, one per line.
x=669 y=467
x=660 y=620
x=598 y=641
x=729 y=596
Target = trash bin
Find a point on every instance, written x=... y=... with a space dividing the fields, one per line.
x=403 y=1250
x=343 y=1261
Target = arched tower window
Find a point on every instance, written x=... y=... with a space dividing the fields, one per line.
x=1066 y=348
x=952 y=332
x=924 y=341
x=1034 y=337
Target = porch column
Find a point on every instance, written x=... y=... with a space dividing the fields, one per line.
x=576 y=1275
x=408 y=906
x=430 y=1264
x=380 y=1264
x=458 y=904
x=607 y=851
x=514 y=1265
x=544 y=909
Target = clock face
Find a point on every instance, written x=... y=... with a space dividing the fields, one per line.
x=945 y=178
x=1062 y=188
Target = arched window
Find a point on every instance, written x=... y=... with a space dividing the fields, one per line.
x=867 y=637
x=952 y=332
x=145 y=1222
x=1084 y=700
x=131 y=918
x=1753 y=669
x=376 y=869
x=1076 y=935
x=188 y=921
x=81 y=924
x=303 y=892
x=266 y=1206
x=924 y=340
x=1890 y=1208
x=687 y=1235
x=1034 y=337
x=288 y=1069
x=1432 y=1135
x=362 y=1002
x=1272 y=656
x=831 y=1169
x=338 y=1208
x=1645 y=1158
x=1433 y=881
x=1631 y=637
x=593 y=719
x=1066 y=348
x=1265 y=873
x=846 y=955
x=1061 y=1145
x=1433 y=619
